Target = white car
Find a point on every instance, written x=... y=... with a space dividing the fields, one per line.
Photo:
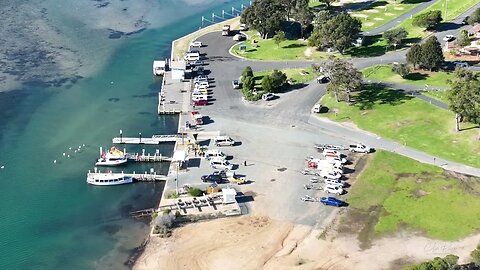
x=359 y=148
x=197 y=44
x=449 y=38
x=333 y=189
x=330 y=175
x=214 y=153
x=243 y=27
x=333 y=182
x=220 y=164
x=268 y=96
x=239 y=37
x=317 y=108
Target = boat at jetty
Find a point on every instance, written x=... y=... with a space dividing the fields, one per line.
x=108 y=179
x=114 y=157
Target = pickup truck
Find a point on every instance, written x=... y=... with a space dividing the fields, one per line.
x=359 y=148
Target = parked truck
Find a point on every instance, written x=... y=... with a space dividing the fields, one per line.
x=197 y=118
x=359 y=148
x=226 y=30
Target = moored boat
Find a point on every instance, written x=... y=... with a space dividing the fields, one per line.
x=108 y=179
x=114 y=157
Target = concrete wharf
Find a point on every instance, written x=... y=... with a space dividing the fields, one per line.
x=144 y=177
x=155 y=139
x=174 y=95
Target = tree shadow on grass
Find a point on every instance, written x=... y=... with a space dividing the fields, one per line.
x=293 y=45
x=370 y=48
x=416 y=76
x=378 y=93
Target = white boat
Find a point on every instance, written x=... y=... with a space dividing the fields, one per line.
x=159 y=67
x=113 y=157
x=108 y=179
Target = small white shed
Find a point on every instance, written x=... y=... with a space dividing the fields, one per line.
x=229 y=195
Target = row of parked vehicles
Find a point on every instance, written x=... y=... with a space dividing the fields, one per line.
x=218 y=161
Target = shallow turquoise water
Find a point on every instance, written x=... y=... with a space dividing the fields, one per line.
x=50 y=217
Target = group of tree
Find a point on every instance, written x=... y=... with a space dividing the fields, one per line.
x=464 y=98
x=429 y=55
x=428 y=20
x=449 y=262
x=335 y=30
x=344 y=79
x=463 y=38
x=395 y=36
x=474 y=17
x=267 y=16
x=273 y=83
x=248 y=81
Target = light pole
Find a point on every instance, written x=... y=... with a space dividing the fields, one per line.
x=140 y=137
x=121 y=133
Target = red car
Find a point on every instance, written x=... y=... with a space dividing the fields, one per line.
x=200 y=102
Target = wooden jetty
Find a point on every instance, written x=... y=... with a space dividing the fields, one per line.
x=155 y=139
x=145 y=177
x=149 y=158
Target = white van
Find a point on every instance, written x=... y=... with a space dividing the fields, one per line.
x=224 y=141
x=214 y=154
x=220 y=164
x=204 y=83
x=192 y=56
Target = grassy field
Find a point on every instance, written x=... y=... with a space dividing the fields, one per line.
x=287 y=50
x=385 y=73
x=380 y=13
x=393 y=114
x=454 y=9
x=415 y=196
x=297 y=75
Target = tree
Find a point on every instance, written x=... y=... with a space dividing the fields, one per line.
x=278 y=79
x=248 y=83
x=463 y=38
x=414 y=55
x=475 y=255
x=339 y=32
x=432 y=54
x=394 y=37
x=322 y=17
x=303 y=15
x=267 y=83
x=464 y=97
x=265 y=16
x=474 y=17
x=344 y=78
x=247 y=72
x=401 y=69
x=328 y=3
x=279 y=38
x=428 y=20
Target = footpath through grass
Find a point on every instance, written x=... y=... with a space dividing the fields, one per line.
x=417 y=77
x=381 y=12
x=406 y=194
x=393 y=114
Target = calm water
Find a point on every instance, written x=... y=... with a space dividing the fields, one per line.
x=82 y=74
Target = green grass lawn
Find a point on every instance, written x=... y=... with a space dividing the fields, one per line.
x=385 y=73
x=380 y=13
x=297 y=75
x=288 y=50
x=393 y=114
x=454 y=9
x=439 y=95
x=416 y=196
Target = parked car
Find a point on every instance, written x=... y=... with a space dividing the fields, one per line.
x=220 y=164
x=236 y=84
x=332 y=201
x=239 y=37
x=268 y=96
x=449 y=38
x=200 y=102
x=199 y=70
x=214 y=153
x=323 y=79
x=224 y=141
x=317 y=108
x=243 y=27
x=196 y=44
x=200 y=78
x=334 y=182
x=460 y=64
x=331 y=152
x=333 y=189
x=330 y=175
x=213 y=178
x=359 y=148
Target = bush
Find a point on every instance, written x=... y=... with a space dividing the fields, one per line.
x=401 y=69
x=167 y=211
x=195 y=192
x=172 y=195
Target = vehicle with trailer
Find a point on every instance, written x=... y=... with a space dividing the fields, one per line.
x=197 y=118
x=359 y=148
